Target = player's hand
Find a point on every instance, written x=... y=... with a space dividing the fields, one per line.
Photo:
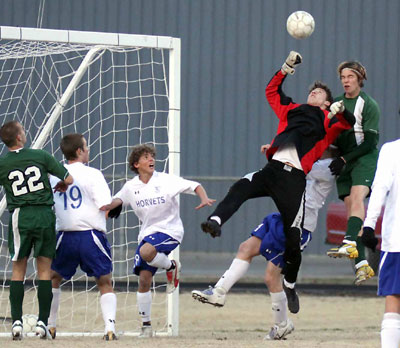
x=61 y=186
x=207 y=202
x=291 y=61
x=337 y=165
x=336 y=108
x=264 y=148
x=368 y=238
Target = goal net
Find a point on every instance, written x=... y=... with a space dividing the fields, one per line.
x=118 y=90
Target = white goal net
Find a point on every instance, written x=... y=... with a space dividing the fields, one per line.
x=118 y=90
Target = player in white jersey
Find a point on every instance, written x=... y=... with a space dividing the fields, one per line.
x=81 y=227
x=386 y=191
x=153 y=197
x=268 y=240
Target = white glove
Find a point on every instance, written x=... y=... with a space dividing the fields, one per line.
x=292 y=60
x=336 y=108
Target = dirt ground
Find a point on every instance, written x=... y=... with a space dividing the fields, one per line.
x=245 y=319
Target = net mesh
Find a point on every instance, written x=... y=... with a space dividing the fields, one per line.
x=121 y=100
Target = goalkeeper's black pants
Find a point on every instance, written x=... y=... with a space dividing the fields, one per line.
x=286 y=186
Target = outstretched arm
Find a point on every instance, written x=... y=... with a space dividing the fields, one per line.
x=201 y=192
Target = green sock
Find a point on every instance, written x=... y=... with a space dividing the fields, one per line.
x=16 y=299
x=354 y=225
x=361 y=250
x=45 y=295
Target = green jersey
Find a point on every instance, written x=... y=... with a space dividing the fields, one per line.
x=366 y=111
x=24 y=176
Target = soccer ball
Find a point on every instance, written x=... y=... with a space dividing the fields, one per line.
x=29 y=322
x=300 y=24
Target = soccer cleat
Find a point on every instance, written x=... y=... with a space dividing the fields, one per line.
x=173 y=277
x=42 y=331
x=347 y=249
x=213 y=296
x=110 y=336
x=363 y=273
x=280 y=331
x=16 y=330
x=292 y=299
x=53 y=332
x=146 y=332
x=212 y=227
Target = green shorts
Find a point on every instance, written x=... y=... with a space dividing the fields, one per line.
x=32 y=227
x=359 y=172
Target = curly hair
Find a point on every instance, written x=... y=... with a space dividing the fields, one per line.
x=319 y=84
x=137 y=152
x=355 y=66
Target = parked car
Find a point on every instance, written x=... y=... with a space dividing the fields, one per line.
x=336 y=224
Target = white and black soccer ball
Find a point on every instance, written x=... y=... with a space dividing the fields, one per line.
x=300 y=24
x=29 y=322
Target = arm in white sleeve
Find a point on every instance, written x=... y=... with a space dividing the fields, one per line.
x=380 y=187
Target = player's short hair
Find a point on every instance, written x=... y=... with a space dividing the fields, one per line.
x=355 y=66
x=320 y=84
x=70 y=143
x=137 y=152
x=9 y=132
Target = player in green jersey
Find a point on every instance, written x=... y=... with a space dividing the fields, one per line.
x=24 y=176
x=356 y=166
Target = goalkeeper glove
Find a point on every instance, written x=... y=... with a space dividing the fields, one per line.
x=292 y=60
x=114 y=213
x=368 y=238
x=337 y=165
x=336 y=108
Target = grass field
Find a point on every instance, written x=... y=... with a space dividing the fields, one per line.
x=332 y=321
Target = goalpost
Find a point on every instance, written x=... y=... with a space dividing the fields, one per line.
x=118 y=90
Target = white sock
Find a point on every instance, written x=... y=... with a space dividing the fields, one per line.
x=217 y=219
x=390 y=332
x=160 y=261
x=288 y=285
x=55 y=303
x=279 y=306
x=143 y=300
x=108 y=303
x=236 y=271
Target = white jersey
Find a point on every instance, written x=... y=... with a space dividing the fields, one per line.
x=386 y=189
x=156 y=203
x=78 y=208
x=320 y=182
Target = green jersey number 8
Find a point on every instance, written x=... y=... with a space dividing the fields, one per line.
x=21 y=186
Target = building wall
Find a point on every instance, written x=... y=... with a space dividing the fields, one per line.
x=230 y=49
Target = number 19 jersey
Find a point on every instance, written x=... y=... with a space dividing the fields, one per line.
x=78 y=208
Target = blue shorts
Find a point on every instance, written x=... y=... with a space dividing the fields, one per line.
x=88 y=249
x=389 y=269
x=163 y=244
x=273 y=239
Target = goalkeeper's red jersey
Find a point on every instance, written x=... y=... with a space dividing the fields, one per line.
x=305 y=126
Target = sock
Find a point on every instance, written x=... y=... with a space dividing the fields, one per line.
x=354 y=225
x=361 y=250
x=236 y=271
x=216 y=218
x=16 y=299
x=108 y=303
x=45 y=295
x=279 y=306
x=288 y=285
x=143 y=300
x=160 y=261
x=55 y=303
x=390 y=332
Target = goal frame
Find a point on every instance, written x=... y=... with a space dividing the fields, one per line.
x=173 y=45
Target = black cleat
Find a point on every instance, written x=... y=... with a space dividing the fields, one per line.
x=292 y=299
x=212 y=227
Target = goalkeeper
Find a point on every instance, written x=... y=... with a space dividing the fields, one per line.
x=153 y=197
x=81 y=226
x=268 y=240
x=355 y=168
x=304 y=132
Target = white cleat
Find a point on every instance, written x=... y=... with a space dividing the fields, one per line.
x=42 y=331
x=212 y=296
x=146 y=332
x=16 y=330
x=280 y=331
